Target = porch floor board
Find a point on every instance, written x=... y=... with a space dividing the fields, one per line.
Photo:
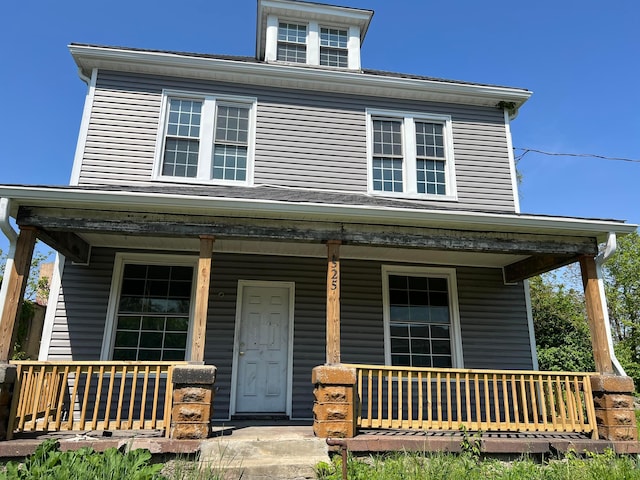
x=512 y=443
x=367 y=440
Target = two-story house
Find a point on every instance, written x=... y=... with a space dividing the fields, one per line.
x=268 y=215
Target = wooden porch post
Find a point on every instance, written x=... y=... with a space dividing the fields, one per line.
x=595 y=314
x=17 y=279
x=202 y=298
x=333 y=302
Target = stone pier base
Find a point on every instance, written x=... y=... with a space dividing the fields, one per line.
x=334 y=409
x=613 y=399
x=193 y=395
x=7 y=381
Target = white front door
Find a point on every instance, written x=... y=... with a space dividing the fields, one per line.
x=263 y=350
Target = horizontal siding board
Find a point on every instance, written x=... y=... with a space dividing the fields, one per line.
x=320 y=138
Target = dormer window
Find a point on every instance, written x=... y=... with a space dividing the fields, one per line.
x=292 y=43
x=293 y=32
x=333 y=47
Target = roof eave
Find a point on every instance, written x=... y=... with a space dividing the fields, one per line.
x=288 y=76
x=175 y=203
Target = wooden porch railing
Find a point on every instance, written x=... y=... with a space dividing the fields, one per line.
x=487 y=400
x=78 y=396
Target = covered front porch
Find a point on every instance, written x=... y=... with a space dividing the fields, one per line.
x=334 y=272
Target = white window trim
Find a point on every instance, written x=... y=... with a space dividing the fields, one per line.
x=408 y=120
x=312 y=41
x=449 y=274
x=207 y=133
x=122 y=258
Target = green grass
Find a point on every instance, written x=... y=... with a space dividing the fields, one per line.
x=410 y=466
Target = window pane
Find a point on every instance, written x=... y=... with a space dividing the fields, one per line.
x=180 y=158
x=333 y=37
x=229 y=163
x=420 y=326
x=292 y=40
x=184 y=118
x=165 y=301
x=332 y=57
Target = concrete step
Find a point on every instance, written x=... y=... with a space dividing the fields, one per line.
x=284 y=453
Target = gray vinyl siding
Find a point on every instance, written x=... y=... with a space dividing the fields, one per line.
x=493 y=316
x=303 y=139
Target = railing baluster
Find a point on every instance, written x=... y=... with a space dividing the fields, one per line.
x=571 y=407
x=389 y=398
x=400 y=400
x=496 y=401
x=525 y=403
x=143 y=400
x=467 y=395
x=409 y=399
x=379 y=382
x=420 y=400
x=369 y=397
x=476 y=392
x=552 y=403
x=439 y=398
x=85 y=399
x=94 y=420
x=487 y=401
x=429 y=401
x=72 y=399
x=579 y=403
x=505 y=401
x=591 y=412
x=514 y=399
x=458 y=400
x=107 y=409
x=448 y=380
x=534 y=403
x=156 y=390
x=543 y=404
x=39 y=382
x=563 y=410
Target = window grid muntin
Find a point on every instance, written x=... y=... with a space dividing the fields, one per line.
x=292 y=42
x=182 y=139
x=333 y=47
x=420 y=291
x=153 y=286
x=387 y=155
x=192 y=159
x=430 y=158
x=231 y=143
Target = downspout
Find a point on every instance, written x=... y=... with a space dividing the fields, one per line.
x=12 y=236
x=601 y=258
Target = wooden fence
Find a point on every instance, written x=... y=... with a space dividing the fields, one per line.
x=79 y=396
x=486 y=400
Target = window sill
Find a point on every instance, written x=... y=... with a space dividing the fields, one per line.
x=414 y=196
x=197 y=181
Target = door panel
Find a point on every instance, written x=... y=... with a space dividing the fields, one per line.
x=263 y=343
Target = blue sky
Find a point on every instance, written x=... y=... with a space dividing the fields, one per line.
x=581 y=59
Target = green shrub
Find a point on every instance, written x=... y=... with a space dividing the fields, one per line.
x=49 y=463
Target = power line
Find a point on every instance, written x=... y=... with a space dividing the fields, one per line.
x=582 y=155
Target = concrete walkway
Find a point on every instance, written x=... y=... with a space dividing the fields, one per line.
x=264 y=452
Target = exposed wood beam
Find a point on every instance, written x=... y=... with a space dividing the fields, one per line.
x=202 y=299
x=171 y=225
x=333 y=302
x=68 y=244
x=17 y=278
x=536 y=265
x=595 y=314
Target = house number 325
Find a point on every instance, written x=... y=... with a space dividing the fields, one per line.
x=334 y=273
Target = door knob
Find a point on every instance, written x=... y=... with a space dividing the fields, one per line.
x=241 y=353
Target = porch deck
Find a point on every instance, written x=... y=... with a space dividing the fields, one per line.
x=367 y=441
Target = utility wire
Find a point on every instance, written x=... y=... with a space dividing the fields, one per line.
x=583 y=155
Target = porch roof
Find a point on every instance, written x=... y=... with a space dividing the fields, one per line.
x=303 y=204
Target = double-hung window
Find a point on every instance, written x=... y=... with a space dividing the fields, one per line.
x=333 y=47
x=292 y=42
x=150 y=308
x=411 y=155
x=206 y=138
x=421 y=317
